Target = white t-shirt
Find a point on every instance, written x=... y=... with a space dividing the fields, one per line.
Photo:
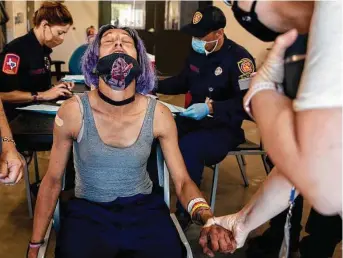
x=321 y=82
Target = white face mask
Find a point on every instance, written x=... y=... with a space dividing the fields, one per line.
x=199 y=46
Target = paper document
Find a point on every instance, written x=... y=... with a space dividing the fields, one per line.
x=74 y=78
x=173 y=108
x=43 y=108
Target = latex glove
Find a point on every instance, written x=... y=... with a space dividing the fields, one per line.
x=235 y=224
x=197 y=111
x=11 y=167
x=272 y=69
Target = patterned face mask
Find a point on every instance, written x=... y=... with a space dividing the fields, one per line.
x=118 y=70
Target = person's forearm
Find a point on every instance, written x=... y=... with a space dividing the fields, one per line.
x=271 y=199
x=320 y=142
x=45 y=206
x=275 y=118
x=288 y=138
x=5 y=131
x=16 y=96
x=4 y=127
x=189 y=191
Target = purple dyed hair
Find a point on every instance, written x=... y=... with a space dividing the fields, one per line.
x=145 y=83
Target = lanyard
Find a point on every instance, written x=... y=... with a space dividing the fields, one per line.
x=284 y=251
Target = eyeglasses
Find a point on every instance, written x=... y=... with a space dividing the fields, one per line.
x=228 y=2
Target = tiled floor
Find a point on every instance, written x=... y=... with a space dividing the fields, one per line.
x=15 y=225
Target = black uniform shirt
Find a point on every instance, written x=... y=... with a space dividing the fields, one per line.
x=215 y=76
x=25 y=66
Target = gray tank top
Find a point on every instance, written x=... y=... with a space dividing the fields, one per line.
x=103 y=172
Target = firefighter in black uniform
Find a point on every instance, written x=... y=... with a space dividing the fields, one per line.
x=25 y=62
x=25 y=75
x=214 y=78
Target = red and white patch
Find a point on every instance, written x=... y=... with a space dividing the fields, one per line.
x=246 y=66
x=11 y=64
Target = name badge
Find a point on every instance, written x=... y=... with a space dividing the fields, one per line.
x=244 y=83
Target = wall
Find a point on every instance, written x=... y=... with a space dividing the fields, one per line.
x=16 y=30
x=84 y=14
x=235 y=32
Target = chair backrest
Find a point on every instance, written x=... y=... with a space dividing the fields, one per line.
x=163 y=175
x=75 y=60
x=188 y=99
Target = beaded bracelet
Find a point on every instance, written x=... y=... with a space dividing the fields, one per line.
x=194 y=201
x=7 y=139
x=35 y=245
x=199 y=205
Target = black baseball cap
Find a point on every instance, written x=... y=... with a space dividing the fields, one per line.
x=204 y=21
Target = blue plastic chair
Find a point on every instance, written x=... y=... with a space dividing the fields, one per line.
x=75 y=60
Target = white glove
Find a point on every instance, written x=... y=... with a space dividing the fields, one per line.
x=272 y=69
x=270 y=75
x=235 y=224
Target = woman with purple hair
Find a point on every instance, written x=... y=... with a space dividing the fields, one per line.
x=117 y=212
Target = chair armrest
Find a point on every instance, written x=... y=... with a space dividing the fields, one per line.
x=163 y=175
x=54 y=223
x=43 y=249
x=182 y=236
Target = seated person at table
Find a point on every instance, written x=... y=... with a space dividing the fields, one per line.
x=212 y=76
x=117 y=210
x=25 y=74
x=75 y=59
x=90 y=33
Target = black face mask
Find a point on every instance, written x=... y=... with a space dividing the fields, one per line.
x=250 y=22
x=118 y=70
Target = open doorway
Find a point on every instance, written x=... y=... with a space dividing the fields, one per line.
x=158 y=24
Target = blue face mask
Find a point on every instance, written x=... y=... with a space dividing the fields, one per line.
x=198 y=46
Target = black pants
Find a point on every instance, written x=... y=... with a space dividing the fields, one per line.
x=132 y=227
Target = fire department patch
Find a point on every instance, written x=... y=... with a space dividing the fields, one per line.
x=197 y=17
x=11 y=64
x=246 y=66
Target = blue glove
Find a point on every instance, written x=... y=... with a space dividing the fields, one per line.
x=197 y=111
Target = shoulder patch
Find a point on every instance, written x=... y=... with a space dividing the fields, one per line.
x=11 y=64
x=246 y=66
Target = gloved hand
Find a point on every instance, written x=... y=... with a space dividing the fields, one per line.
x=271 y=74
x=235 y=224
x=272 y=69
x=197 y=111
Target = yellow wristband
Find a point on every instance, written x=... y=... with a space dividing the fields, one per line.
x=197 y=206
